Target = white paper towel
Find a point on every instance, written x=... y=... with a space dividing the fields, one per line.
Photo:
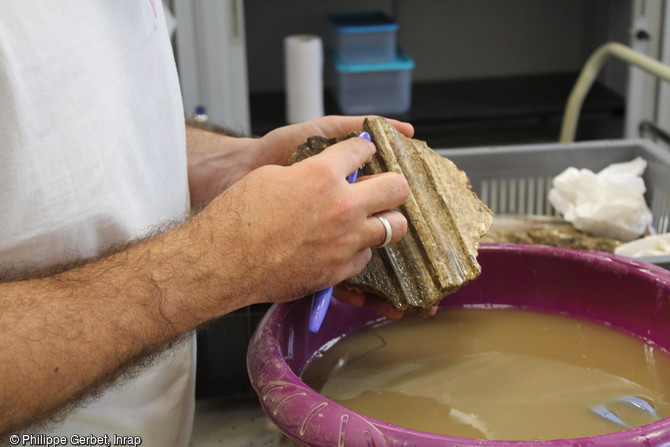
x=656 y=245
x=303 y=62
x=609 y=204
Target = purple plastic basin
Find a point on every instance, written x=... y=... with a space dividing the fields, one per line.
x=631 y=295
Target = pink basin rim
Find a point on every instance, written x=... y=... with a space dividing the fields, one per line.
x=631 y=295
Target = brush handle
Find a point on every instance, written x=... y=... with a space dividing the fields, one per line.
x=320 y=303
x=321 y=299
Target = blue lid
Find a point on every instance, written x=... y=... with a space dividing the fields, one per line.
x=362 y=22
x=401 y=62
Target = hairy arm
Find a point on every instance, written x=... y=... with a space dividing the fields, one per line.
x=263 y=240
x=66 y=335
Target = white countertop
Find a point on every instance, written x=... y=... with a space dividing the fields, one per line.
x=234 y=423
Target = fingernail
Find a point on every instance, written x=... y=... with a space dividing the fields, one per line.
x=365 y=136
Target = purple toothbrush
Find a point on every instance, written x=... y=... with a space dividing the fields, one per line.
x=321 y=299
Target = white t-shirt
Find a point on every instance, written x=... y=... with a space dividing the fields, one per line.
x=92 y=154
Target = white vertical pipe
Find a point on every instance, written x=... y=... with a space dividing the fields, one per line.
x=187 y=60
x=663 y=109
x=211 y=51
x=641 y=94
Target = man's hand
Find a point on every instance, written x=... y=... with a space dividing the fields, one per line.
x=301 y=228
x=217 y=160
x=279 y=144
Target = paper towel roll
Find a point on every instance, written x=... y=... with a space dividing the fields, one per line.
x=303 y=62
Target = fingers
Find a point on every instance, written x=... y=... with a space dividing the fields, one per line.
x=376 y=195
x=377 y=233
x=404 y=128
x=277 y=146
x=375 y=303
x=383 y=307
x=374 y=234
x=382 y=191
x=350 y=297
x=331 y=126
x=346 y=156
x=378 y=192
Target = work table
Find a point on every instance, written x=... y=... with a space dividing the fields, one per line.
x=238 y=422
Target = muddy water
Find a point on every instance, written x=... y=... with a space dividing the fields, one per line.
x=501 y=374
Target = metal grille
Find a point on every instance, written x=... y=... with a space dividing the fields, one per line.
x=525 y=195
x=660 y=208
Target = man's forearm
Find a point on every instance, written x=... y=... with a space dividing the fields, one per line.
x=217 y=158
x=195 y=124
x=276 y=234
x=67 y=334
x=63 y=335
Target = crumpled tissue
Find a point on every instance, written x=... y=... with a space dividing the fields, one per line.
x=656 y=245
x=608 y=204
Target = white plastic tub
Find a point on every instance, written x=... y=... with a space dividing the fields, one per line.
x=364 y=37
x=382 y=89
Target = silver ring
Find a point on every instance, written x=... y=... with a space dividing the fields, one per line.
x=388 y=229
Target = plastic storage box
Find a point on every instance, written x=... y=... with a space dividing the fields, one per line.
x=363 y=37
x=383 y=89
x=517 y=179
